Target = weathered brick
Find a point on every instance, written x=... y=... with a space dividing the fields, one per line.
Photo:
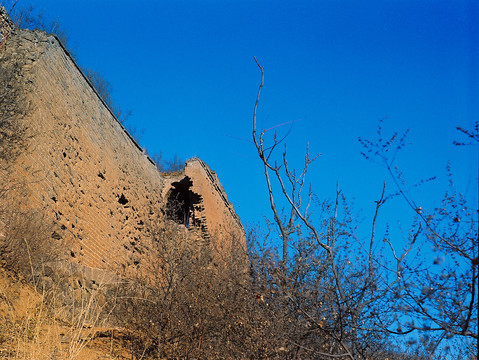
x=87 y=174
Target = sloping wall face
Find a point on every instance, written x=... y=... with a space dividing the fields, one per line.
x=84 y=171
x=80 y=164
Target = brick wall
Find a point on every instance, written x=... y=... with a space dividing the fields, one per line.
x=85 y=172
x=212 y=213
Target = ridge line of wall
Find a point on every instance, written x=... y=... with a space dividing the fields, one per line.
x=101 y=99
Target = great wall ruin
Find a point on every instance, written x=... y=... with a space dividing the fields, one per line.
x=86 y=174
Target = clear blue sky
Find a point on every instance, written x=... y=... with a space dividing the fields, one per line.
x=186 y=70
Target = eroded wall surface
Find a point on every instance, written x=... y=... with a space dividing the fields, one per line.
x=80 y=163
x=207 y=206
x=85 y=172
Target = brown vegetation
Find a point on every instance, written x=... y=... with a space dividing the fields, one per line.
x=353 y=302
x=329 y=295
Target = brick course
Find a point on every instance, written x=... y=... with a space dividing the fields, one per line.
x=86 y=173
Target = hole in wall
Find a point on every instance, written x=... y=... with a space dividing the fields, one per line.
x=181 y=202
x=123 y=200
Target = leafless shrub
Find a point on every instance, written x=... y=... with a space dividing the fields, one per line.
x=331 y=289
x=32 y=19
x=187 y=302
x=329 y=284
x=191 y=300
x=437 y=291
x=39 y=325
x=26 y=243
x=104 y=89
x=310 y=318
x=168 y=166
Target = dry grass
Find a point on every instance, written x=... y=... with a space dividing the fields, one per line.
x=30 y=330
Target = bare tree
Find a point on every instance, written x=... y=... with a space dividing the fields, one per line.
x=334 y=284
x=437 y=290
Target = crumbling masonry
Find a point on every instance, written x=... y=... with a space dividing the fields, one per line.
x=86 y=174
